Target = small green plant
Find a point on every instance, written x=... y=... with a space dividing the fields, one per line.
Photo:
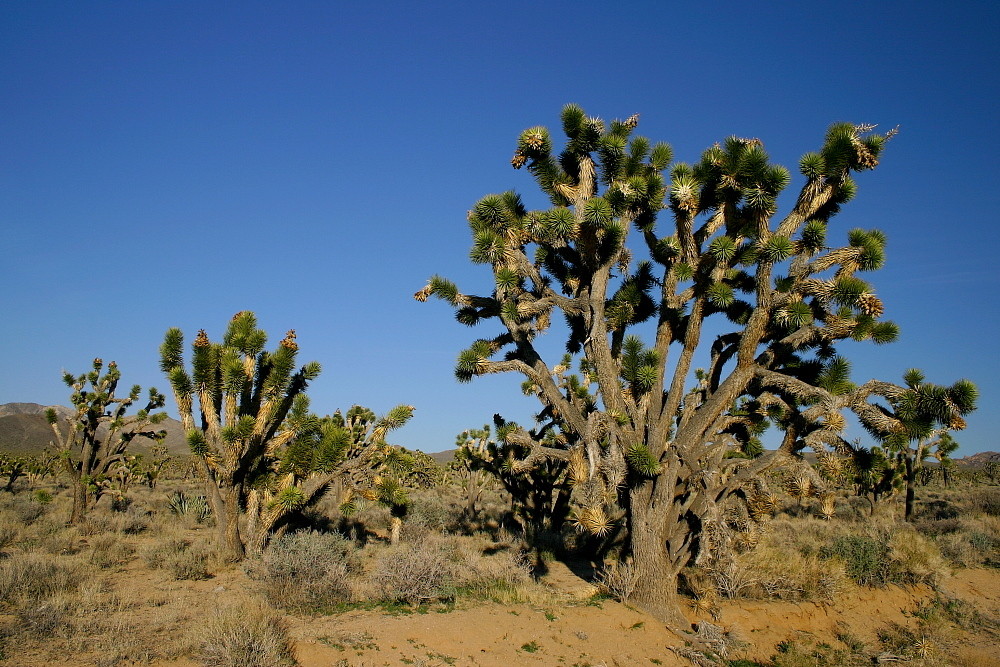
x=530 y=647
x=41 y=496
x=193 y=506
x=865 y=559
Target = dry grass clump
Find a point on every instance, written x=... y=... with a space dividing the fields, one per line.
x=306 y=572
x=107 y=551
x=618 y=580
x=502 y=577
x=772 y=571
x=41 y=591
x=416 y=573
x=184 y=559
x=245 y=634
x=9 y=528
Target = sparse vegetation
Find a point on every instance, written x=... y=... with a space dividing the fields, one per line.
x=641 y=482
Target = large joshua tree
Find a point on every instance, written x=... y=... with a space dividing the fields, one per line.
x=264 y=455
x=758 y=299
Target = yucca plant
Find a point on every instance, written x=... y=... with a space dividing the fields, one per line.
x=666 y=444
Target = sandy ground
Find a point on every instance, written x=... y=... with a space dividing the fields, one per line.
x=567 y=628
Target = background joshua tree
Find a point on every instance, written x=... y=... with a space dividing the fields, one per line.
x=264 y=454
x=98 y=433
x=656 y=439
x=916 y=424
x=470 y=447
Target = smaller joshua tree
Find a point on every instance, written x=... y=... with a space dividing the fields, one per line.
x=244 y=394
x=916 y=424
x=98 y=433
x=265 y=456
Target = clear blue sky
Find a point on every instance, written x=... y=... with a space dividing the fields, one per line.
x=170 y=163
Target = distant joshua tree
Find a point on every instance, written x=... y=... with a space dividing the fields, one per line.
x=96 y=436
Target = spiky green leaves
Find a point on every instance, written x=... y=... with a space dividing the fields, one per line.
x=639 y=366
x=813 y=236
x=472 y=361
x=641 y=461
x=723 y=249
x=487 y=247
x=812 y=165
x=847 y=290
x=775 y=249
x=660 y=156
x=288 y=499
x=397 y=417
x=171 y=351
x=871 y=244
x=441 y=288
x=836 y=376
x=794 y=315
x=597 y=212
x=721 y=295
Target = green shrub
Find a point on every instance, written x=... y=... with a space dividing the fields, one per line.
x=41 y=496
x=865 y=559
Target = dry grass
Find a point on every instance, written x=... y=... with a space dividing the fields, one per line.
x=244 y=634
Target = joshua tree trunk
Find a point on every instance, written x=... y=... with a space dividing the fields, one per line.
x=229 y=530
x=657 y=572
x=912 y=469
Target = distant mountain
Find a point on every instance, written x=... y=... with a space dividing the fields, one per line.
x=976 y=460
x=24 y=430
x=443 y=457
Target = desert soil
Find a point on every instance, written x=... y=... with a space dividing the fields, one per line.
x=569 y=628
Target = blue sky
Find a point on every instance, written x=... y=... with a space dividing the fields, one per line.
x=170 y=163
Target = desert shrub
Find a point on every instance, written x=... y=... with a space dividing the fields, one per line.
x=107 y=551
x=936 y=510
x=48 y=617
x=865 y=559
x=415 y=573
x=33 y=577
x=155 y=555
x=27 y=511
x=772 y=571
x=184 y=560
x=52 y=536
x=935 y=527
x=306 y=572
x=986 y=501
x=40 y=591
x=41 y=496
x=430 y=513
x=914 y=559
x=9 y=529
x=617 y=580
x=244 y=635
x=191 y=564
x=499 y=577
